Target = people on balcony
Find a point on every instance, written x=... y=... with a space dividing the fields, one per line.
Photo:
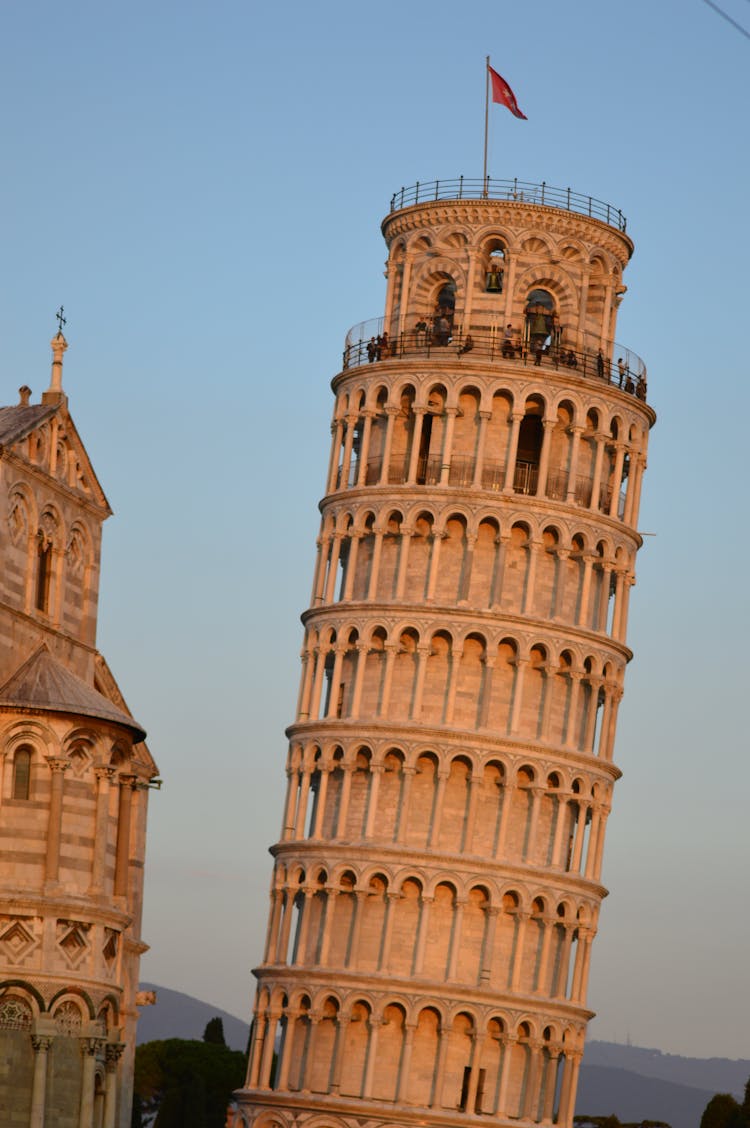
x=622 y=369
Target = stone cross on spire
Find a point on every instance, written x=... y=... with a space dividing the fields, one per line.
x=54 y=393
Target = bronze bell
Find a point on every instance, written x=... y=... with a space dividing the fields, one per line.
x=494 y=282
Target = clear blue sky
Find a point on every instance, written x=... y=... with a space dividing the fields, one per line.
x=202 y=185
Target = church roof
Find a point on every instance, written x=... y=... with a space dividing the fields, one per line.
x=18 y=421
x=44 y=683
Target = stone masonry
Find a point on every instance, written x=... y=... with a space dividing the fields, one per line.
x=74 y=777
x=436 y=888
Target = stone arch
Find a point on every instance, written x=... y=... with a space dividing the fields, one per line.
x=484 y=568
x=437 y=677
x=455 y=805
x=389 y=555
x=374 y=908
x=22 y=514
x=428 y=281
x=390 y=794
x=473 y=932
x=503 y=686
x=440 y=929
x=420 y=550
x=515 y=572
x=422 y=1074
x=535 y=690
x=505 y=940
x=390 y=1047
x=354 y=1048
x=497 y=438
x=406 y=913
x=373 y=682
x=453 y=553
x=424 y=784
x=344 y=915
x=458 y=1059
x=470 y=705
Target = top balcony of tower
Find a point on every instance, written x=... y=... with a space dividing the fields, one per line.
x=513 y=191
x=503 y=272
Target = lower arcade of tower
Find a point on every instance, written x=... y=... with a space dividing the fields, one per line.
x=424 y=1059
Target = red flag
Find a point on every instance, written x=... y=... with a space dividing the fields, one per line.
x=502 y=93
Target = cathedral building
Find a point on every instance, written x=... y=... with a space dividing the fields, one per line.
x=437 y=883
x=74 y=780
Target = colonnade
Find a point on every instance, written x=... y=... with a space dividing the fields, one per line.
x=417 y=1056
x=447 y=806
x=478 y=938
x=25 y=1031
x=501 y=688
x=97 y=1107
x=579 y=464
x=388 y=558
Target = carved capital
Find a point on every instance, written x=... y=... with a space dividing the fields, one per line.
x=57 y=764
x=90 y=1047
x=113 y=1052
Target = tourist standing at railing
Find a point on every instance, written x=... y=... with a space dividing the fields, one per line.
x=600 y=364
x=622 y=368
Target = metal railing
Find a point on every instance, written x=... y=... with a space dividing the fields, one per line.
x=517 y=191
x=367 y=343
x=460 y=473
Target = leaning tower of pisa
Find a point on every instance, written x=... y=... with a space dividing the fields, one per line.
x=437 y=883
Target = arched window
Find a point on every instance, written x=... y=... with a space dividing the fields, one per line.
x=495 y=271
x=444 y=313
x=540 y=319
x=22 y=773
x=15 y=1013
x=530 y=436
x=43 y=573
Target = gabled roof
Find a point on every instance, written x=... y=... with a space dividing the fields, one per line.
x=44 y=684
x=19 y=421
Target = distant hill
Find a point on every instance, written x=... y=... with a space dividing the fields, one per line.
x=720 y=1075
x=181 y=1016
x=637 y=1083
x=632 y=1097
x=632 y=1082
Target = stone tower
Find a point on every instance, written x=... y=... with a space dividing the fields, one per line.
x=74 y=778
x=436 y=888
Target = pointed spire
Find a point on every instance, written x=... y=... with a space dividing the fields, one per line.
x=54 y=393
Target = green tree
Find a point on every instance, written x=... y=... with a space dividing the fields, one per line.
x=722 y=1111
x=746 y=1102
x=136 y=1119
x=187 y=1084
x=214 y=1032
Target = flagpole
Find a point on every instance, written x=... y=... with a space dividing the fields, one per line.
x=486 y=123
